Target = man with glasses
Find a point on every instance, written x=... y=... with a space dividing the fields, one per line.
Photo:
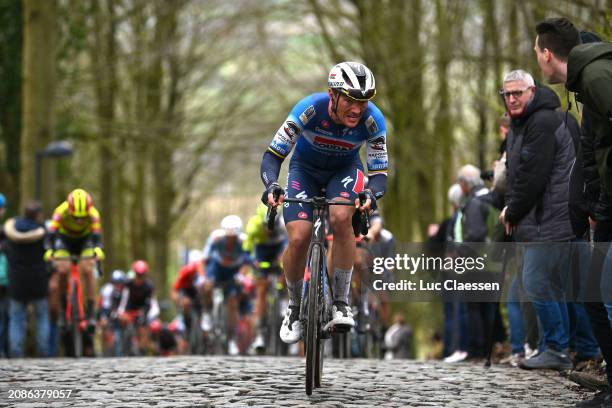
x=540 y=154
x=327 y=130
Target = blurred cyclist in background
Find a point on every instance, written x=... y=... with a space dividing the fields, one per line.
x=267 y=247
x=224 y=257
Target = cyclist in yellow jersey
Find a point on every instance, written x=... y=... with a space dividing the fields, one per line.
x=75 y=230
x=267 y=248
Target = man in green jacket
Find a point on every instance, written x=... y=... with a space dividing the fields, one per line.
x=586 y=69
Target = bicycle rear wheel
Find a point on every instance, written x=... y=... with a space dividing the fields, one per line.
x=312 y=327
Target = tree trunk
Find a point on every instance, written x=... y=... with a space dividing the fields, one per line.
x=104 y=72
x=11 y=39
x=160 y=91
x=442 y=129
x=481 y=104
x=38 y=86
x=399 y=62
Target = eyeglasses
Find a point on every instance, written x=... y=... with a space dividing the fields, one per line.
x=516 y=93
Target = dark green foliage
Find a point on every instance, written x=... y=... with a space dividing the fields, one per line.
x=10 y=98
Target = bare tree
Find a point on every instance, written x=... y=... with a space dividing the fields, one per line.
x=38 y=89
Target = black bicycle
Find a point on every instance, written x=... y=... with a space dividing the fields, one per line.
x=316 y=307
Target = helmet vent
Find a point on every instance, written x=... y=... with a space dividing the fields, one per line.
x=347 y=79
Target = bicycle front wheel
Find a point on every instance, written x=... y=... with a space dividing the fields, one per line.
x=312 y=327
x=319 y=363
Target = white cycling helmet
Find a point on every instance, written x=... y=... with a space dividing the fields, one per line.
x=195 y=255
x=118 y=276
x=232 y=225
x=352 y=79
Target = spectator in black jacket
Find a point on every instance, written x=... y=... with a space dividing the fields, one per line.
x=28 y=278
x=540 y=156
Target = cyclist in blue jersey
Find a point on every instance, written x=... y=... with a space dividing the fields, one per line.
x=327 y=130
x=224 y=257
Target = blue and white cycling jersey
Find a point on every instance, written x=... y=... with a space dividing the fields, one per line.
x=224 y=252
x=326 y=145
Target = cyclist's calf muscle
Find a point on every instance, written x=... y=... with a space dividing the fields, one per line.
x=294 y=258
x=344 y=241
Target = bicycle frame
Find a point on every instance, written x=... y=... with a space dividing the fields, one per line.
x=317 y=239
x=315 y=309
x=74 y=283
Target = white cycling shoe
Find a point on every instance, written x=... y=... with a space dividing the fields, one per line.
x=232 y=348
x=259 y=342
x=291 y=329
x=342 y=317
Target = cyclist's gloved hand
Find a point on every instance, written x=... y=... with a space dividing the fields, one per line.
x=370 y=203
x=48 y=256
x=99 y=253
x=273 y=190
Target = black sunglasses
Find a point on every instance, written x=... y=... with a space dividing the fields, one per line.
x=359 y=95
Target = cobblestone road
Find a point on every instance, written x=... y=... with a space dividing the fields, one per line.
x=264 y=381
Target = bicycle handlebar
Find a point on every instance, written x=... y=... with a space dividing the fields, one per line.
x=320 y=202
x=317 y=201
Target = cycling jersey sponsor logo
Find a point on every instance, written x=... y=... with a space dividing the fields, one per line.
x=344 y=194
x=325 y=124
x=335 y=84
x=307 y=114
x=378 y=143
x=302 y=215
x=332 y=144
x=358 y=187
x=371 y=125
x=302 y=196
x=377 y=155
x=346 y=180
x=279 y=147
x=378 y=165
x=295 y=184
x=291 y=129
